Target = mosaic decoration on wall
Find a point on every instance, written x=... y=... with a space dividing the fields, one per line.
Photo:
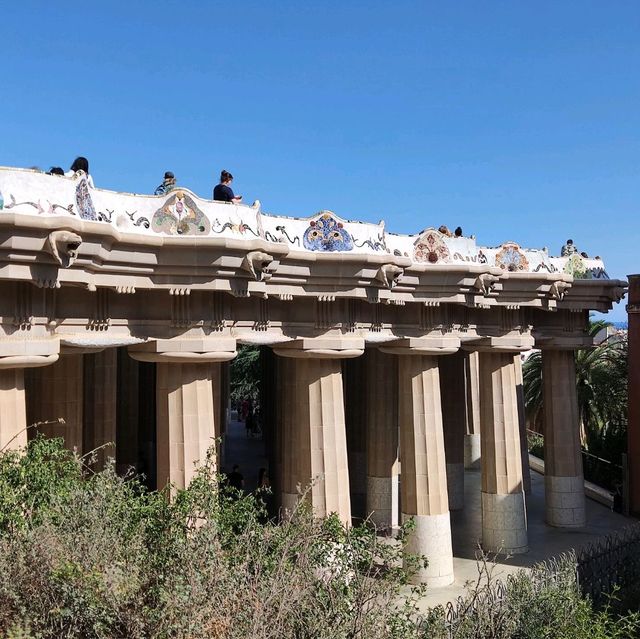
x=430 y=247
x=325 y=233
x=575 y=266
x=511 y=258
x=180 y=215
x=84 y=202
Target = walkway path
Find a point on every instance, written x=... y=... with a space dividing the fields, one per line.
x=247 y=452
x=544 y=541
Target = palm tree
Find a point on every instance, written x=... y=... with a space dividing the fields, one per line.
x=601 y=380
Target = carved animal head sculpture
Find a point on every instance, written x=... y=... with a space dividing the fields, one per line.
x=485 y=282
x=256 y=263
x=63 y=246
x=389 y=275
x=558 y=289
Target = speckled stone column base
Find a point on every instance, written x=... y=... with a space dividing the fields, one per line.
x=432 y=537
x=564 y=501
x=504 y=523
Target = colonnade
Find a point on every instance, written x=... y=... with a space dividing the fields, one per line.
x=387 y=416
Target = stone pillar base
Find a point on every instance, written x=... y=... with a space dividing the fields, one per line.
x=472 y=451
x=564 y=501
x=455 y=486
x=432 y=537
x=504 y=523
x=382 y=501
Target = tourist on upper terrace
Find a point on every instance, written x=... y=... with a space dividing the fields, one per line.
x=55 y=170
x=458 y=232
x=444 y=229
x=568 y=249
x=168 y=183
x=80 y=164
x=223 y=192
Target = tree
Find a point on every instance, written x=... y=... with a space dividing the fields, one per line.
x=245 y=374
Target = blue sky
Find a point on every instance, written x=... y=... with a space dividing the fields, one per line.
x=519 y=121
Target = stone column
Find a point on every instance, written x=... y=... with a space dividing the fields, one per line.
x=13 y=413
x=314 y=437
x=100 y=391
x=472 y=438
x=127 y=414
x=633 y=427
x=382 y=438
x=186 y=422
x=522 y=425
x=355 y=395
x=454 y=418
x=56 y=393
x=424 y=478
x=504 y=519
x=563 y=478
x=186 y=373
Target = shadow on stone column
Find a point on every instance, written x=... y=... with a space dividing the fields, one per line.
x=382 y=438
x=355 y=414
x=454 y=422
x=56 y=392
x=472 y=452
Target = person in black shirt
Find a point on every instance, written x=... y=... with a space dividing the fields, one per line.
x=223 y=192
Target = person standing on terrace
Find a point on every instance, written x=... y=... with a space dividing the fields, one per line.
x=80 y=164
x=222 y=192
x=167 y=185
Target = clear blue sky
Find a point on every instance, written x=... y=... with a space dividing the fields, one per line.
x=516 y=120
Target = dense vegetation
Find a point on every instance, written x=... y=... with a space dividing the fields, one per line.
x=97 y=556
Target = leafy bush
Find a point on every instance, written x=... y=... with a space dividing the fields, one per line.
x=97 y=556
x=101 y=557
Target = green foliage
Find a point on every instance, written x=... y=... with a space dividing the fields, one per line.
x=535 y=444
x=245 y=375
x=98 y=556
x=601 y=386
x=527 y=610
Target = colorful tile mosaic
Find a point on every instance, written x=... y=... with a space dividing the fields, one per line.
x=511 y=258
x=84 y=203
x=325 y=233
x=431 y=248
x=180 y=215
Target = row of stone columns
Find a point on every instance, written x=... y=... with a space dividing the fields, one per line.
x=420 y=404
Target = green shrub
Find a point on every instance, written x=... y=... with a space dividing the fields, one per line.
x=96 y=556
x=99 y=556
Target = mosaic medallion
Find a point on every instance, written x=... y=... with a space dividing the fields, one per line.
x=325 y=233
x=511 y=258
x=84 y=203
x=179 y=215
x=575 y=266
x=430 y=247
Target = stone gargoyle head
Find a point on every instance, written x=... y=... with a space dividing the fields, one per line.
x=256 y=263
x=63 y=246
x=389 y=275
